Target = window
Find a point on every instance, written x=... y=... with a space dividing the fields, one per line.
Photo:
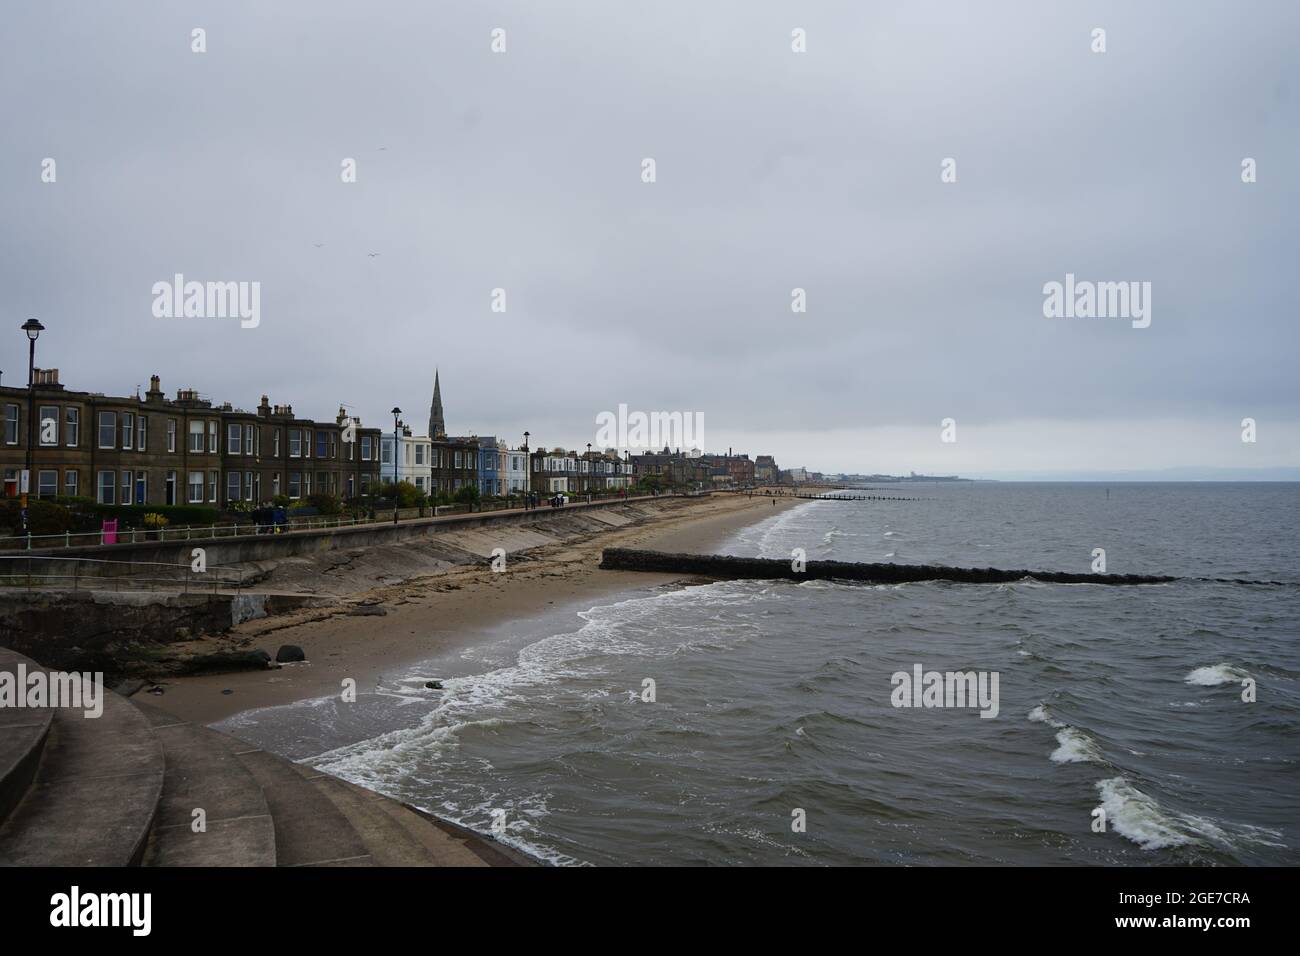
x=128 y=429
x=72 y=427
x=47 y=483
x=419 y=454
x=257 y=486
x=71 y=482
x=49 y=425
x=295 y=442
x=275 y=485
x=126 y=488
x=171 y=488
x=306 y=485
x=295 y=484
x=11 y=424
x=386 y=452
x=171 y=435
x=248 y=439
x=367 y=451
x=212 y=441
x=458 y=454
x=322 y=445
x=196 y=486
x=232 y=484
x=107 y=488
x=213 y=478
x=234 y=444
x=248 y=486
x=196 y=439
x=108 y=430
x=306 y=443
x=334 y=452
x=141 y=433
x=257 y=440
x=275 y=443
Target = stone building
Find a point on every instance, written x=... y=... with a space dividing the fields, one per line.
x=152 y=450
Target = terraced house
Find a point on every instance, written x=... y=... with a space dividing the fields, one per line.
x=152 y=450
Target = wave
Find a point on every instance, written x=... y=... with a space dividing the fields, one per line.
x=1074 y=746
x=1138 y=817
x=1213 y=676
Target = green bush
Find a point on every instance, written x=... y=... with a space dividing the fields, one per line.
x=132 y=516
x=466 y=495
x=43 y=516
x=408 y=496
x=325 y=503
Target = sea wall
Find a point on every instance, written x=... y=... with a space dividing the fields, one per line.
x=119 y=632
x=60 y=564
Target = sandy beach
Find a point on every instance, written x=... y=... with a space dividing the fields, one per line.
x=432 y=614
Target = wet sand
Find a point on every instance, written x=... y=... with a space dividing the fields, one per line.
x=438 y=613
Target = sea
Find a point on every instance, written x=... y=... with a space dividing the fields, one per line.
x=762 y=722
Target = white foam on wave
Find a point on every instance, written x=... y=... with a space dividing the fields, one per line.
x=1137 y=817
x=773 y=535
x=1041 y=715
x=1214 y=675
x=1074 y=746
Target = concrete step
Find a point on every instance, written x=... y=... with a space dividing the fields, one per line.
x=203 y=773
x=309 y=829
x=94 y=794
x=394 y=834
x=22 y=737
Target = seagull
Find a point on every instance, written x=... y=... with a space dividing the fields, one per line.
x=318 y=244
x=372 y=254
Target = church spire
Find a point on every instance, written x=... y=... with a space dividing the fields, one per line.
x=437 y=427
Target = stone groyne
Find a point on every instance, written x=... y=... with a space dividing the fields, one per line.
x=724 y=567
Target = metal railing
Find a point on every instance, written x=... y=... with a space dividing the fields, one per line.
x=70 y=539
x=27 y=571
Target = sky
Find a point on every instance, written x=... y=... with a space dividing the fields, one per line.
x=774 y=170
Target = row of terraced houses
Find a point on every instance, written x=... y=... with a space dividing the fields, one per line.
x=156 y=450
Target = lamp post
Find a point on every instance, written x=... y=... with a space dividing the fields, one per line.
x=590 y=474
x=396 y=424
x=528 y=475
x=33 y=328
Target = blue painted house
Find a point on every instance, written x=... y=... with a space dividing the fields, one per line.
x=490 y=479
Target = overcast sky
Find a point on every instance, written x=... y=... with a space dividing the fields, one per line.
x=775 y=170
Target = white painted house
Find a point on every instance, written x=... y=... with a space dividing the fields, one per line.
x=414 y=459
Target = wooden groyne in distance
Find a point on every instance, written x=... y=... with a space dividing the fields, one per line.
x=725 y=567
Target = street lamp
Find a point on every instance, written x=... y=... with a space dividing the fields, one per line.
x=528 y=475
x=589 y=473
x=396 y=412
x=33 y=328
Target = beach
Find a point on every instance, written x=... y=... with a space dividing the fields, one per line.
x=432 y=614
